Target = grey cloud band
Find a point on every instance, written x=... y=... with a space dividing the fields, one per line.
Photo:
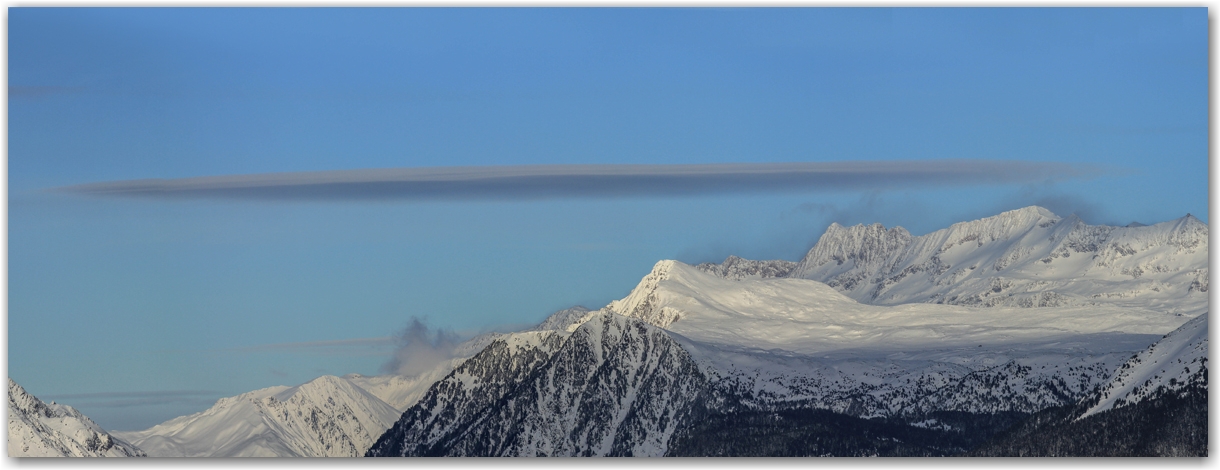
x=565 y=181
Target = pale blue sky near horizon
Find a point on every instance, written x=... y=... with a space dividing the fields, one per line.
x=139 y=310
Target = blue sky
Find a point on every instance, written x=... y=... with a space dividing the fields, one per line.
x=137 y=310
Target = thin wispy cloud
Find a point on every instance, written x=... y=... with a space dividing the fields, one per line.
x=348 y=347
x=568 y=181
x=129 y=399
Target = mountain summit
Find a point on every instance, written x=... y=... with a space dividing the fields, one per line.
x=37 y=429
x=326 y=417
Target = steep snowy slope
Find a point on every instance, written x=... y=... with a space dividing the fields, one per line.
x=1176 y=361
x=398 y=391
x=326 y=417
x=37 y=429
x=1027 y=258
x=467 y=393
x=1154 y=405
x=612 y=386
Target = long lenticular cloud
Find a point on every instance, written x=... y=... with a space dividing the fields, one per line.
x=568 y=181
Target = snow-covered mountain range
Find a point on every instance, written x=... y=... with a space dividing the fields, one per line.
x=1027 y=257
x=1047 y=310
x=875 y=343
x=37 y=429
x=326 y=417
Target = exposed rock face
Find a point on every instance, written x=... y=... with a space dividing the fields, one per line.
x=37 y=429
x=614 y=386
x=739 y=268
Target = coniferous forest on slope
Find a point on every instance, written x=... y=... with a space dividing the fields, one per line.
x=1171 y=425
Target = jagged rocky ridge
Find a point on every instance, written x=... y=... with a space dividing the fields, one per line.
x=758 y=344
x=736 y=268
x=1020 y=258
x=37 y=429
x=613 y=386
x=1027 y=258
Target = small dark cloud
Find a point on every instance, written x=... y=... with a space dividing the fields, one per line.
x=1066 y=204
x=17 y=91
x=865 y=210
x=567 y=181
x=421 y=349
x=1063 y=203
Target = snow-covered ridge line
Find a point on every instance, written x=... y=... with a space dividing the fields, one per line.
x=641 y=302
x=1026 y=258
x=808 y=317
x=38 y=429
x=326 y=417
x=737 y=268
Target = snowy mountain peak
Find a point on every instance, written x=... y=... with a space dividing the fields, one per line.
x=1033 y=211
x=839 y=233
x=737 y=268
x=563 y=319
x=1189 y=227
x=37 y=429
x=639 y=302
x=614 y=386
x=324 y=386
x=1003 y=226
x=851 y=247
x=326 y=417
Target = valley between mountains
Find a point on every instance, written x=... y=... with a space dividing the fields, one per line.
x=1019 y=334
